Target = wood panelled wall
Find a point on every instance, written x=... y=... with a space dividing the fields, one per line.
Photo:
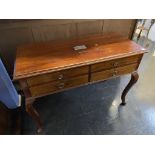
x=16 y=32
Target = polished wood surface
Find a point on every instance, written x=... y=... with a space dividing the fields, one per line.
x=133 y=80
x=116 y=63
x=34 y=114
x=39 y=58
x=59 y=75
x=18 y=32
x=106 y=74
x=46 y=68
x=29 y=105
x=50 y=87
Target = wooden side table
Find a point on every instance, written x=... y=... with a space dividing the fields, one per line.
x=50 y=67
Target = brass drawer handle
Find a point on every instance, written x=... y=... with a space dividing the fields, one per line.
x=60 y=76
x=115 y=64
x=115 y=73
x=61 y=85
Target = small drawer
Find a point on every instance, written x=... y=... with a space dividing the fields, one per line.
x=55 y=76
x=49 y=88
x=102 y=75
x=115 y=63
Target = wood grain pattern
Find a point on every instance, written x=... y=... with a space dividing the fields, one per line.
x=48 y=88
x=55 y=76
x=15 y=32
x=29 y=105
x=116 y=63
x=103 y=75
x=41 y=58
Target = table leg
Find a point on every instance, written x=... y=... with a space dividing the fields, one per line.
x=133 y=80
x=34 y=114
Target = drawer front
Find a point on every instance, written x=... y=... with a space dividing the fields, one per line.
x=102 y=75
x=48 y=88
x=60 y=75
x=116 y=63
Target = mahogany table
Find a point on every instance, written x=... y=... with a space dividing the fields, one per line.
x=50 y=67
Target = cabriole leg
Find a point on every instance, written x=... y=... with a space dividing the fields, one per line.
x=34 y=114
x=133 y=80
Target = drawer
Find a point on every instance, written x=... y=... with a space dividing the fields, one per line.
x=115 y=63
x=48 y=88
x=60 y=75
x=102 y=75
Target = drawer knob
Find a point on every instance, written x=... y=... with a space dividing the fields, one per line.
x=115 y=64
x=60 y=76
x=61 y=85
x=115 y=73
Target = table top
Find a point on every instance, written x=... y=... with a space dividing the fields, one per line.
x=39 y=58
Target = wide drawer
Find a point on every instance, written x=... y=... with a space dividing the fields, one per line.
x=48 y=88
x=59 y=75
x=116 y=63
x=102 y=75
